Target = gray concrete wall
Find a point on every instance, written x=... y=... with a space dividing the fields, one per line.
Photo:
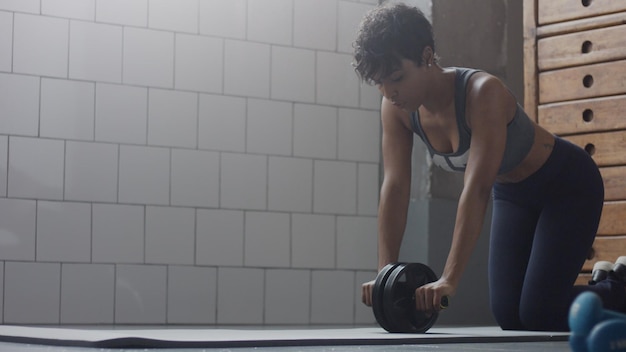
x=484 y=34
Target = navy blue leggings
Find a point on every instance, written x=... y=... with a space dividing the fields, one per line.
x=541 y=233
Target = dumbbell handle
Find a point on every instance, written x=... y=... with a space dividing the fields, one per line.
x=586 y=311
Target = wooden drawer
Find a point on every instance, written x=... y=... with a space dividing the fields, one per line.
x=550 y=11
x=613 y=220
x=583 y=279
x=607 y=149
x=606 y=248
x=583 y=82
x=614 y=183
x=586 y=47
x=584 y=116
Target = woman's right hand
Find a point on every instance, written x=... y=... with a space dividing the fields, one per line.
x=366 y=292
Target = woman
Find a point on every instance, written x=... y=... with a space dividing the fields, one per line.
x=547 y=193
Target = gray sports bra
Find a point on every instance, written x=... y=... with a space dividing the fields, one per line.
x=520 y=133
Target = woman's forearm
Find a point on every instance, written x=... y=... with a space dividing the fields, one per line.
x=392 y=215
x=469 y=222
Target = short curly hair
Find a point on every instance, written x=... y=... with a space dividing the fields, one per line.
x=388 y=34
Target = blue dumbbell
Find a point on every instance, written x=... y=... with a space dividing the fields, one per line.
x=585 y=312
x=609 y=335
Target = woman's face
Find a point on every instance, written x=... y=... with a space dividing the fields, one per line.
x=405 y=87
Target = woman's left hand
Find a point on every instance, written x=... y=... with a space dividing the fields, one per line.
x=428 y=297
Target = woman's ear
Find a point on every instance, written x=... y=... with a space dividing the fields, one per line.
x=428 y=56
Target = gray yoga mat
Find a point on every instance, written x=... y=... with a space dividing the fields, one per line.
x=171 y=337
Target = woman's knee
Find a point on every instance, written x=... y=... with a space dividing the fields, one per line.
x=507 y=316
x=537 y=317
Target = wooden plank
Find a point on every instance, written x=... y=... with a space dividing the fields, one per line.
x=607 y=149
x=583 y=82
x=551 y=11
x=583 y=279
x=584 y=116
x=584 y=24
x=585 y=47
x=614 y=183
x=530 y=58
x=606 y=248
x=613 y=220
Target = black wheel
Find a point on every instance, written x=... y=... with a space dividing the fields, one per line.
x=378 y=294
x=399 y=299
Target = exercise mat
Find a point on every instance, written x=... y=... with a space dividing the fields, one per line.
x=195 y=337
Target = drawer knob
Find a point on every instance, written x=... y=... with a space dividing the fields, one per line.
x=586 y=2
x=588 y=81
x=586 y=47
x=590 y=149
x=588 y=115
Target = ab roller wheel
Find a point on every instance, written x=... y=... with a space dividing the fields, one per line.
x=393 y=298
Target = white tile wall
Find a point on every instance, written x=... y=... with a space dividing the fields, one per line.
x=247 y=69
x=172 y=118
x=319 y=17
x=17 y=229
x=4 y=160
x=32 y=293
x=290 y=184
x=368 y=189
x=195 y=178
x=222 y=123
x=36 y=168
x=287 y=295
x=315 y=131
x=6 y=40
x=313 y=241
x=243 y=181
x=148 y=57
x=350 y=15
x=135 y=12
x=177 y=16
x=118 y=233
x=40 y=45
x=67 y=109
x=121 y=113
x=269 y=127
x=228 y=22
x=270 y=21
x=219 y=237
x=359 y=135
x=63 y=232
x=170 y=235
x=332 y=297
x=87 y=293
x=199 y=63
x=79 y=9
x=32 y=6
x=266 y=240
x=95 y=52
x=335 y=187
x=239 y=295
x=144 y=176
x=19 y=104
x=185 y=162
x=91 y=171
x=140 y=294
x=293 y=74
x=191 y=295
x=356 y=242
x=337 y=84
